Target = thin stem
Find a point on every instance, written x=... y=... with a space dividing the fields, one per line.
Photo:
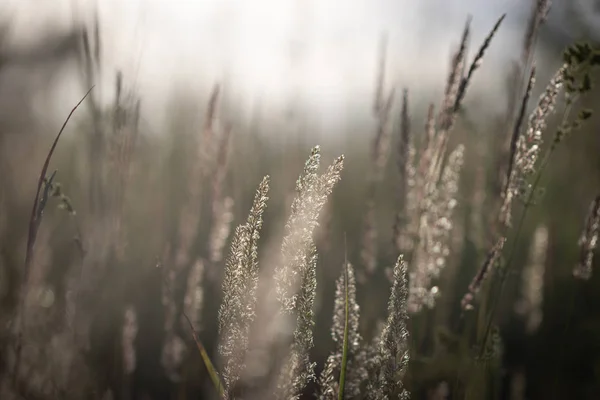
x=528 y=203
x=34 y=223
x=342 y=382
x=214 y=376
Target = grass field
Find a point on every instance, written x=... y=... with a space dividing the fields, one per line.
x=427 y=257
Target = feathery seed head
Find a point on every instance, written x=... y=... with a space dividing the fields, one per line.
x=295 y=277
x=527 y=146
x=394 y=338
x=239 y=290
x=434 y=232
x=356 y=371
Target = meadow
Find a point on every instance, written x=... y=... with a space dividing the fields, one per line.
x=426 y=255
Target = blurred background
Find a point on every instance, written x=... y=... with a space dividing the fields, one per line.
x=194 y=102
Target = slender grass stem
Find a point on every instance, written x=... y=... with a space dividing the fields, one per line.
x=342 y=383
x=527 y=205
x=212 y=371
x=35 y=220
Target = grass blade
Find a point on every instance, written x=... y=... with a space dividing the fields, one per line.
x=34 y=224
x=212 y=372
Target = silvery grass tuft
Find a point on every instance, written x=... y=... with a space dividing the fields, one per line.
x=375 y=370
x=239 y=291
x=391 y=363
x=526 y=148
x=432 y=183
x=434 y=230
x=356 y=355
x=295 y=280
x=523 y=175
x=295 y=276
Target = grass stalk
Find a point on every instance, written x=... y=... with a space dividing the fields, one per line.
x=495 y=300
x=344 y=365
x=212 y=371
x=35 y=220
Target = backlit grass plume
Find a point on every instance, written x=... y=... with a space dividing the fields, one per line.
x=295 y=276
x=239 y=290
x=312 y=191
x=434 y=231
x=393 y=344
x=432 y=183
x=526 y=147
x=345 y=329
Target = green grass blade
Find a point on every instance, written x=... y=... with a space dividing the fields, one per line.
x=212 y=372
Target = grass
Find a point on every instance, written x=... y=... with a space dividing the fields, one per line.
x=344 y=365
x=253 y=324
x=34 y=224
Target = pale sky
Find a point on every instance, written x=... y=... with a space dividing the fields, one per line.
x=162 y=44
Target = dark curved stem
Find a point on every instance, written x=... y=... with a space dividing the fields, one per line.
x=35 y=220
